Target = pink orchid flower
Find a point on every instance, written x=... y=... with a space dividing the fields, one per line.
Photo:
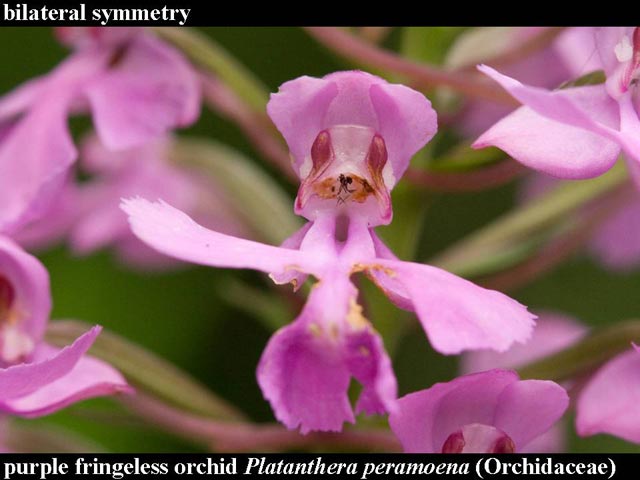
x=136 y=88
x=577 y=132
x=608 y=403
x=554 y=332
x=570 y=55
x=37 y=378
x=597 y=410
x=351 y=137
x=487 y=412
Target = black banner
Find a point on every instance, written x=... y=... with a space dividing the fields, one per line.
x=320 y=466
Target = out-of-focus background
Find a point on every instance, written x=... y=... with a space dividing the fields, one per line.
x=184 y=316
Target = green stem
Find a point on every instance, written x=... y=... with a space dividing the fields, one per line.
x=205 y=53
x=147 y=372
x=585 y=356
x=520 y=224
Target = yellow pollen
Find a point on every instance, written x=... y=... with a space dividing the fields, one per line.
x=355 y=317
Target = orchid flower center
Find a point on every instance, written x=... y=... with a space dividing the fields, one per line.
x=478 y=438
x=15 y=345
x=7 y=299
x=347 y=172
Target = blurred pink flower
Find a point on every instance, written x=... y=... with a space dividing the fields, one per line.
x=615 y=242
x=486 y=412
x=136 y=88
x=577 y=132
x=146 y=171
x=570 y=55
x=608 y=403
x=351 y=137
x=553 y=333
x=36 y=378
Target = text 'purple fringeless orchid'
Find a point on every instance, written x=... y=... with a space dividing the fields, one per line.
x=351 y=137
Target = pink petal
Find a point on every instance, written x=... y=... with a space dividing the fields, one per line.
x=425 y=419
x=529 y=408
x=589 y=107
x=30 y=282
x=173 y=233
x=392 y=288
x=305 y=370
x=293 y=242
x=153 y=90
x=55 y=223
x=553 y=332
x=21 y=98
x=35 y=154
x=369 y=363
x=458 y=315
x=24 y=379
x=305 y=106
x=609 y=402
x=89 y=378
x=615 y=243
x=549 y=146
x=304 y=379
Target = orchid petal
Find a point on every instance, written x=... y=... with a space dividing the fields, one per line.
x=458 y=315
x=426 y=418
x=23 y=379
x=89 y=378
x=151 y=91
x=529 y=408
x=588 y=107
x=174 y=233
x=549 y=146
x=609 y=402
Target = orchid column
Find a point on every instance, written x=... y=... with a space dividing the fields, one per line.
x=351 y=137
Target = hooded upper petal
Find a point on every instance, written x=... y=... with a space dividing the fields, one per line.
x=456 y=314
x=304 y=107
x=425 y=420
x=609 y=401
x=529 y=408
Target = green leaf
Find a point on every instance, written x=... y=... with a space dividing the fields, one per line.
x=256 y=197
x=147 y=372
x=205 y=53
x=462 y=158
x=428 y=44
